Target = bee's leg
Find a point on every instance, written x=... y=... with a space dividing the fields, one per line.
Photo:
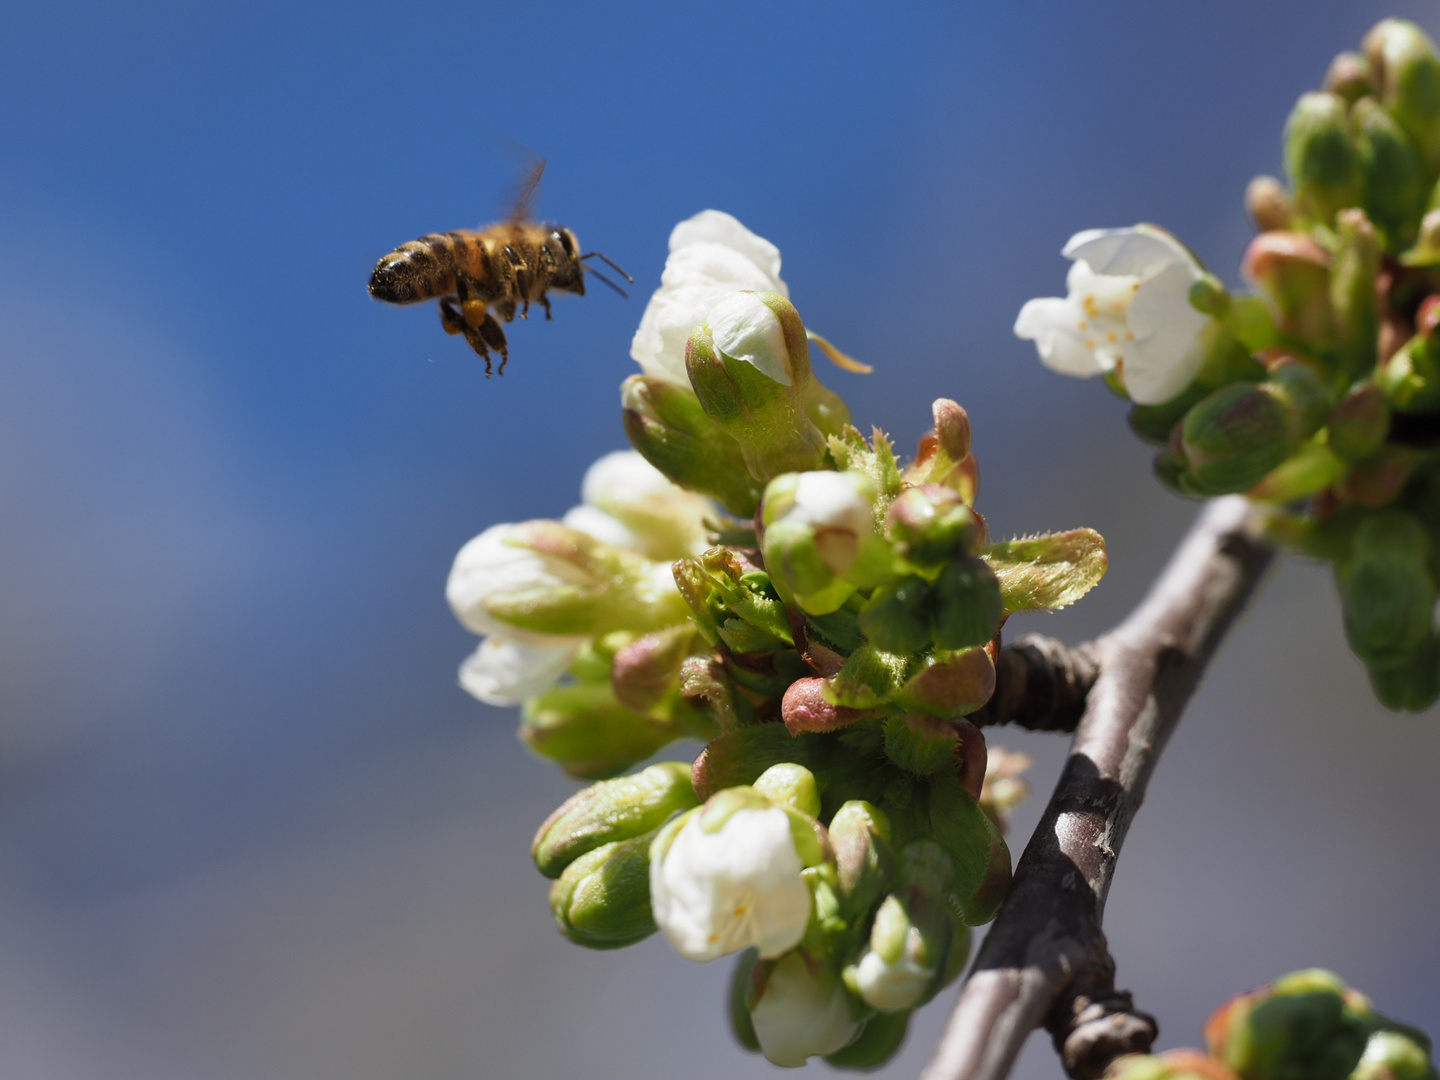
x=522 y=286
x=471 y=306
x=494 y=336
x=544 y=301
x=454 y=323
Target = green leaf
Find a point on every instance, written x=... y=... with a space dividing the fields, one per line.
x=1039 y=573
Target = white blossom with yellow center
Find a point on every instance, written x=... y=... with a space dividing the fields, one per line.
x=1128 y=311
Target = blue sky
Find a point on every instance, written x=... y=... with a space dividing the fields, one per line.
x=250 y=827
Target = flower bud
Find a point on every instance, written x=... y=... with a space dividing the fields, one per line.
x=584 y=730
x=1410 y=683
x=1352 y=290
x=727 y=876
x=788 y=784
x=896 y=618
x=949 y=685
x=1406 y=74
x=602 y=900
x=732 y=603
x=910 y=935
x=1323 y=164
x=817 y=526
x=931 y=525
x=1360 y=422
x=1391 y=1055
x=1426 y=251
x=1378 y=480
x=1171 y=1065
x=799 y=1009
x=503 y=672
x=1304 y=1025
x=665 y=423
x=1395 y=181
x=1268 y=204
x=645 y=671
x=1294 y=272
x=664 y=521
x=864 y=859
x=1410 y=379
x=750 y=367
x=1233 y=438
x=610 y=811
x=878 y=1042
x=1386 y=590
x=1348 y=77
x=967 y=605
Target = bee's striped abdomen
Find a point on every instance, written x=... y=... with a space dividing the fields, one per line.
x=420 y=270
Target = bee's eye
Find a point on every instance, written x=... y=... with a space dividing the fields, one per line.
x=564 y=238
x=512 y=255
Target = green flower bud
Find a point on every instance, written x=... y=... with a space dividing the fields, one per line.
x=750 y=367
x=732 y=603
x=1360 y=422
x=1352 y=290
x=931 y=525
x=1406 y=74
x=1304 y=398
x=740 y=1025
x=665 y=423
x=869 y=678
x=864 y=859
x=602 y=900
x=1395 y=182
x=948 y=685
x=1153 y=423
x=1410 y=683
x=1232 y=438
x=967 y=605
x=1323 y=164
x=1426 y=251
x=1306 y=1026
x=589 y=734
x=610 y=811
x=817 y=527
x=1390 y=1055
x=1268 y=204
x=877 y=1043
x=1386 y=591
x=799 y=1009
x=788 y=784
x=1311 y=469
x=897 y=617
x=1172 y=1065
x=1410 y=379
x=1294 y=272
x=1348 y=77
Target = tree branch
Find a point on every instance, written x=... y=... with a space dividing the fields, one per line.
x=1041 y=684
x=1045 y=960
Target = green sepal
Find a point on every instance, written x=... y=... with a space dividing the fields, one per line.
x=896 y=618
x=584 y=730
x=868 y=679
x=975 y=847
x=602 y=900
x=879 y=1041
x=967 y=604
x=741 y=1025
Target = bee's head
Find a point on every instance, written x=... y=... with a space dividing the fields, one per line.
x=568 y=274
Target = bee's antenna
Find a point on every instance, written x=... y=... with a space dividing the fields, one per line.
x=613 y=265
x=607 y=281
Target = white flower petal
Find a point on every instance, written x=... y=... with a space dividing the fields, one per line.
x=669 y=319
x=623 y=476
x=715 y=266
x=745 y=329
x=891 y=987
x=716 y=226
x=717 y=893
x=831 y=500
x=802 y=1013
x=1051 y=323
x=504 y=672
x=1168 y=349
x=600 y=525
x=1137 y=252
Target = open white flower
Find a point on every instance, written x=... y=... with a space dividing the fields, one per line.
x=719 y=888
x=504 y=672
x=1128 y=309
x=802 y=1012
x=712 y=257
x=495 y=562
x=629 y=503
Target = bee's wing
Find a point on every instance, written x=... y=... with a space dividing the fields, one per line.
x=526 y=193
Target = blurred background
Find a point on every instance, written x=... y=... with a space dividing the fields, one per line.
x=249 y=826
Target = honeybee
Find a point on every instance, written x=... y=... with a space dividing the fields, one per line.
x=486 y=276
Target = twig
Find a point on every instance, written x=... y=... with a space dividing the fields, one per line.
x=1040 y=684
x=1045 y=961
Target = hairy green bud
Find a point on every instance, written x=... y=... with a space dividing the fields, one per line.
x=602 y=900
x=1321 y=159
x=1406 y=75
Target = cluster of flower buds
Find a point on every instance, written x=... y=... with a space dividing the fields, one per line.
x=1319 y=393
x=1307 y=1025
x=824 y=630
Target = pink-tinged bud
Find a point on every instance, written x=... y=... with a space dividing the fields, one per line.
x=1427 y=321
x=1379 y=480
x=1294 y=271
x=1360 y=422
x=1268 y=204
x=804 y=708
x=974 y=758
x=952 y=429
x=1348 y=77
x=953 y=686
x=646 y=670
x=740 y=757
